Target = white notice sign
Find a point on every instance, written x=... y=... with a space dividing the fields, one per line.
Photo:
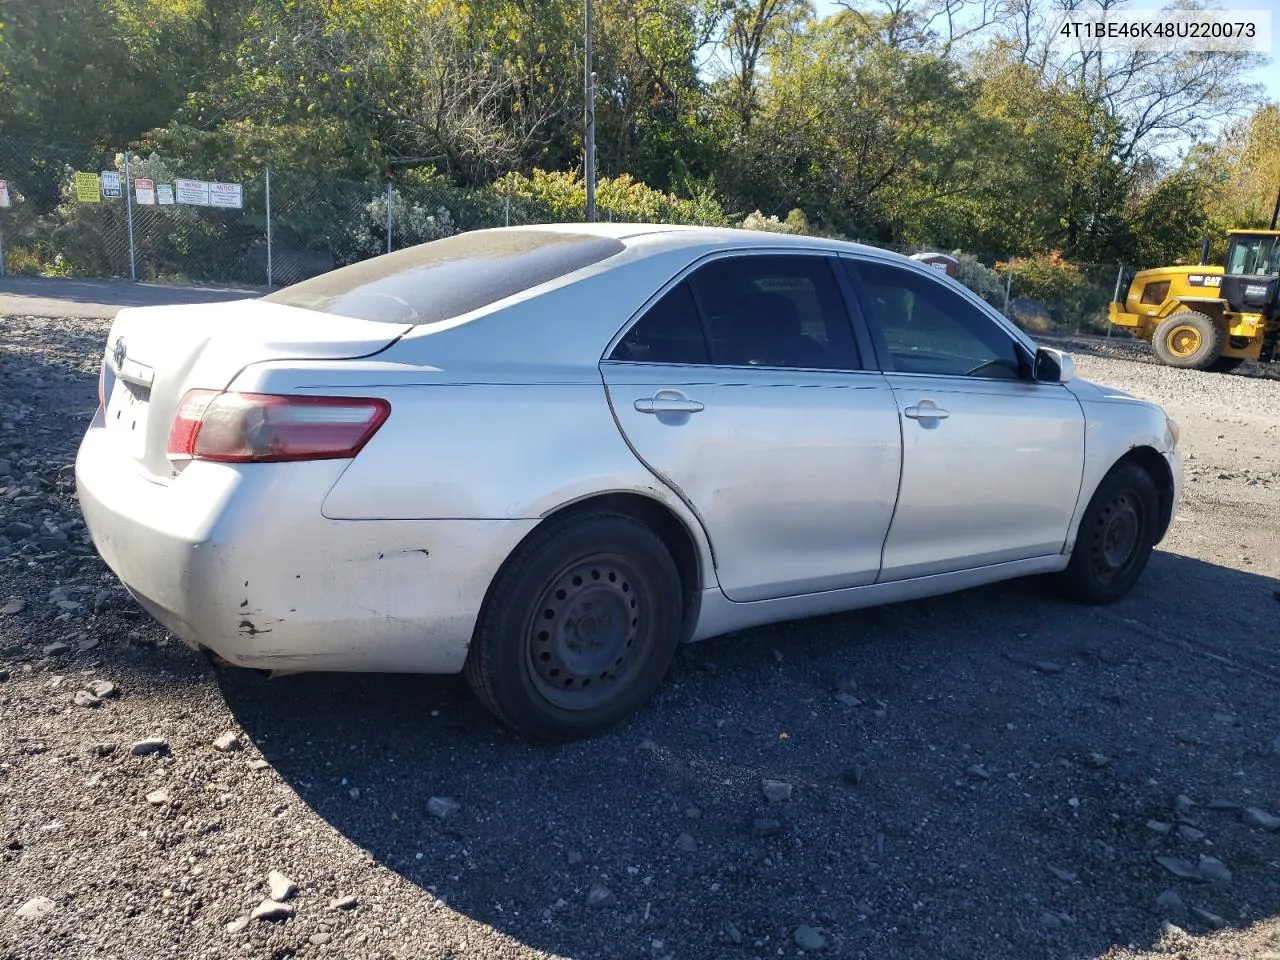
x=4 y=193
x=145 y=191
x=226 y=195
x=194 y=192
x=111 y=184
x=164 y=193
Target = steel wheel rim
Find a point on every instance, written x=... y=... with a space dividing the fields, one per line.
x=1117 y=537
x=1184 y=341
x=589 y=633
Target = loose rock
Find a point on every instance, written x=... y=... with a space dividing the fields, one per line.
x=271 y=911
x=145 y=748
x=600 y=896
x=57 y=649
x=765 y=827
x=776 y=791
x=809 y=938
x=102 y=689
x=84 y=698
x=1211 y=868
x=35 y=908
x=158 y=798
x=1212 y=919
x=280 y=887
x=1170 y=904
x=321 y=938
x=1067 y=876
x=686 y=842
x=1257 y=817
x=235 y=926
x=344 y=903
x=979 y=771
x=1183 y=869
x=12 y=607
x=1050 y=921
x=442 y=807
x=227 y=743
x=257 y=763
x=1048 y=666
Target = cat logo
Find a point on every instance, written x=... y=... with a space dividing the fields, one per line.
x=1201 y=280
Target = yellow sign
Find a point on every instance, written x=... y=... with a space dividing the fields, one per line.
x=87 y=189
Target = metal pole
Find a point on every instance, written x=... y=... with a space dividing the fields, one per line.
x=128 y=212
x=1 y=253
x=1008 y=286
x=589 y=85
x=508 y=211
x=390 y=196
x=1120 y=276
x=269 y=273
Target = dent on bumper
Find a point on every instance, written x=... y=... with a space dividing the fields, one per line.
x=239 y=560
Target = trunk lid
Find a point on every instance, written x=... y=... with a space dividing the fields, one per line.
x=154 y=355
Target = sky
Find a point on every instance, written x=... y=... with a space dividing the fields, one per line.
x=1266 y=74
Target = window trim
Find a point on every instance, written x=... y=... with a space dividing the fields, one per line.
x=1023 y=344
x=865 y=359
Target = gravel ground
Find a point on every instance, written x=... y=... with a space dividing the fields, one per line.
x=991 y=774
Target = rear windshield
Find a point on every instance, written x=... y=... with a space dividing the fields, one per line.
x=446 y=278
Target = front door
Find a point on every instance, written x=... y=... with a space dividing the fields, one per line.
x=992 y=460
x=743 y=390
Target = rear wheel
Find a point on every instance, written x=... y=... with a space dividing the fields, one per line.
x=1189 y=339
x=578 y=628
x=1115 y=539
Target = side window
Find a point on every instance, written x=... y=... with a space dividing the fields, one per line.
x=775 y=311
x=670 y=332
x=930 y=329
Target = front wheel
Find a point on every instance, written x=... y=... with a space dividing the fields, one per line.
x=579 y=627
x=1189 y=340
x=1116 y=537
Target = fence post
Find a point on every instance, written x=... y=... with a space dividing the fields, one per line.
x=508 y=199
x=1008 y=286
x=1 y=251
x=390 y=197
x=269 y=277
x=128 y=214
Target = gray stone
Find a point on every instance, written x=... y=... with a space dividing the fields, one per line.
x=1211 y=868
x=271 y=911
x=1097 y=760
x=732 y=932
x=102 y=689
x=1159 y=826
x=1220 y=804
x=1257 y=817
x=57 y=649
x=600 y=896
x=87 y=644
x=257 y=763
x=69 y=606
x=35 y=908
x=979 y=771
x=1048 y=666
x=848 y=699
x=13 y=606
x=1067 y=876
x=1212 y=919
x=765 y=827
x=280 y=887
x=321 y=938
x=103 y=600
x=1189 y=833
x=1183 y=869
x=17 y=530
x=227 y=743
x=83 y=698
x=6 y=468
x=442 y=807
x=1170 y=904
x=1183 y=803
x=776 y=791
x=158 y=798
x=573 y=857
x=235 y=926
x=686 y=842
x=144 y=748
x=1050 y=921
x=809 y=938
x=692 y=812
x=343 y=903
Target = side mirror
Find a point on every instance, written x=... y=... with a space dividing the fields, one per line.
x=1054 y=366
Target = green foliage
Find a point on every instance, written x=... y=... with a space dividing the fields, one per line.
x=979 y=278
x=620 y=198
x=795 y=223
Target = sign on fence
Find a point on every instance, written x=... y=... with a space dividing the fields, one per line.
x=226 y=195
x=194 y=192
x=164 y=193
x=4 y=193
x=145 y=191
x=111 y=184
x=87 y=189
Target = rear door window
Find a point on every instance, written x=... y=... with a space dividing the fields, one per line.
x=446 y=278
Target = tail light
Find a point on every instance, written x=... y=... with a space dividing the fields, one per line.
x=266 y=428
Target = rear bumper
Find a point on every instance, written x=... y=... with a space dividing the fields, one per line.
x=239 y=560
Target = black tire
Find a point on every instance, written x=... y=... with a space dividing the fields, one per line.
x=1116 y=537
x=1204 y=338
x=578 y=627
x=1225 y=364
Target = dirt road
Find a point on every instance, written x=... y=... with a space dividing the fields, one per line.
x=992 y=774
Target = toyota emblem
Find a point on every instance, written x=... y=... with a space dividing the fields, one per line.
x=118 y=353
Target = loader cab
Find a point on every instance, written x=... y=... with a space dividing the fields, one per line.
x=1249 y=280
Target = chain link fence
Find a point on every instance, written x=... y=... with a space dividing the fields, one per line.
x=94 y=213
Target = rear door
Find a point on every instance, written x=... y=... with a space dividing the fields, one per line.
x=743 y=388
x=992 y=460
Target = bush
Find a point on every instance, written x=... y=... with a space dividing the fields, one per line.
x=979 y=278
x=621 y=198
x=796 y=223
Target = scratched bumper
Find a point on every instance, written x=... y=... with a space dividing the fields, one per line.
x=239 y=560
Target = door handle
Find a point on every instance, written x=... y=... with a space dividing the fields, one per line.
x=926 y=410
x=661 y=404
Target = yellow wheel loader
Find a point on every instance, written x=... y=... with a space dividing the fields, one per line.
x=1209 y=317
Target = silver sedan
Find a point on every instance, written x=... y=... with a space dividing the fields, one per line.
x=545 y=456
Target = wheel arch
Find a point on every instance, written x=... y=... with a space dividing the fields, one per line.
x=676 y=534
x=1157 y=467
